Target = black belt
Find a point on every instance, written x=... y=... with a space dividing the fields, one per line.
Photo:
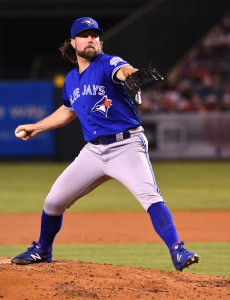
x=109 y=139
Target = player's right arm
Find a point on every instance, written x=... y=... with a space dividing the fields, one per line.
x=61 y=117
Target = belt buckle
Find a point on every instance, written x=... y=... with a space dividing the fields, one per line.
x=100 y=140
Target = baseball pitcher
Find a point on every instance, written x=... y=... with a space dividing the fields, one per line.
x=102 y=91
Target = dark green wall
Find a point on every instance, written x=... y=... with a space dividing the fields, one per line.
x=165 y=32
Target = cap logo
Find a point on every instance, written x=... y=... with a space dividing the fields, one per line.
x=88 y=22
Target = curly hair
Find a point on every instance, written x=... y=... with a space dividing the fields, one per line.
x=68 y=52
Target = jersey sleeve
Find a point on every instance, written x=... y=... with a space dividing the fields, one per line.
x=65 y=100
x=113 y=64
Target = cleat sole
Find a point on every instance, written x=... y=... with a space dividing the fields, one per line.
x=28 y=262
x=189 y=262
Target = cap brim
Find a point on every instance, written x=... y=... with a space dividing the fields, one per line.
x=98 y=30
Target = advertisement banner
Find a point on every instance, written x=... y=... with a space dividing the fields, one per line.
x=188 y=136
x=24 y=103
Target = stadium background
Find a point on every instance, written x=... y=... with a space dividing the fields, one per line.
x=108 y=230
x=32 y=69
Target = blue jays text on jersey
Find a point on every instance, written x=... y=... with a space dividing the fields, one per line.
x=99 y=99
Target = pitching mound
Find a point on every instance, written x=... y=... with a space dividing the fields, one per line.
x=64 y=279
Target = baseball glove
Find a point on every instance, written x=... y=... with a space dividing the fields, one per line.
x=136 y=80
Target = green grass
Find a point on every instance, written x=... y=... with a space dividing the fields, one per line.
x=195 y=185
x=184 y=185
x=214 y=257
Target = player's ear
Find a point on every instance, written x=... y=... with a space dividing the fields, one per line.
x=73 y=43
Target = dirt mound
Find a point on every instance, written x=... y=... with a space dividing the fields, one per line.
x=64 y=279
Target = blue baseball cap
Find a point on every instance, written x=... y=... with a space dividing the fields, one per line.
x=83 y=24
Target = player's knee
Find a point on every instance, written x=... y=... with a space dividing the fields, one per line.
x=53 y=206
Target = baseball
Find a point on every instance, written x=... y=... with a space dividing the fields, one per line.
x=20 y=134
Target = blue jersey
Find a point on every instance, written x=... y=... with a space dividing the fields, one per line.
x=99 y=99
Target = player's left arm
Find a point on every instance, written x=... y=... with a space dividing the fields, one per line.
x=134 y=79
x=124 y=72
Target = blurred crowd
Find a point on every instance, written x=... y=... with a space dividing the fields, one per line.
x=200 y=82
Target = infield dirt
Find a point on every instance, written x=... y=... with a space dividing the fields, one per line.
x=65 y=279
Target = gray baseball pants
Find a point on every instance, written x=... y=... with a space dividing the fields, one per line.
x=126 y=161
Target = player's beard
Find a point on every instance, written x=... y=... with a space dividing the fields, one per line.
x=89 y=53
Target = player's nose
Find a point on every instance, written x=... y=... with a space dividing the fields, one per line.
x=92 y=38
